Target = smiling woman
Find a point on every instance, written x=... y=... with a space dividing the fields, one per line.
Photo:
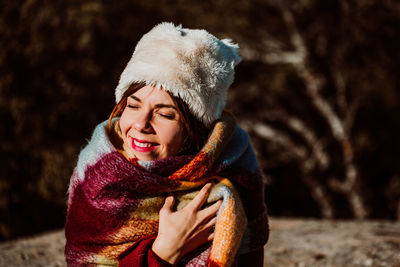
x=170 y=107
x=150 y=125
x=170 y=179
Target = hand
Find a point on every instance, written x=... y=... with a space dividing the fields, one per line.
x=183 y=231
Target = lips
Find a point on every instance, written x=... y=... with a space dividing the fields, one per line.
x=142 y=145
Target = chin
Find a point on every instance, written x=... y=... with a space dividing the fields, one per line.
x=148 y=157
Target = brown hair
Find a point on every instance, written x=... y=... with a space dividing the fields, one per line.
x=196 y=132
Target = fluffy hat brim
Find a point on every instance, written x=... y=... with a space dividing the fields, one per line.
x=190 y=64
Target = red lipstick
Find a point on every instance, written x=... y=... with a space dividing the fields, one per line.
x=142 y=145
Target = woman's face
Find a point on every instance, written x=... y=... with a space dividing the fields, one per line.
x=150 y=124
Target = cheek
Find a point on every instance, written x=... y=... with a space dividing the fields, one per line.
x=124 y=123
x=173 y=138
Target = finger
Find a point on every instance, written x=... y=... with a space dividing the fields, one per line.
x=169 y=203
x=201 y=197
x=202 y=233
x=210 y=211
x=208 y=226
x=210 y=236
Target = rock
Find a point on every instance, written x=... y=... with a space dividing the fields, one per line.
x=293 y=242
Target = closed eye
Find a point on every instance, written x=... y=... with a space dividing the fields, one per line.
x=133 y=102
x=168 y=116
x=132 y=106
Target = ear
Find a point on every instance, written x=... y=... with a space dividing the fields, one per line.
x=234 y=51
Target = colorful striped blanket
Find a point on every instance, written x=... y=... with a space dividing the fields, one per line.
x=114 y=202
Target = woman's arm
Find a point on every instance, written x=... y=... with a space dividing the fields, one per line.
x=142 y=255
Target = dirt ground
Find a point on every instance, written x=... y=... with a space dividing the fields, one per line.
x=333 y=243
x=293 y=242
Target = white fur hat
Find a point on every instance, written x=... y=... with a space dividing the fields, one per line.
x=191 y=64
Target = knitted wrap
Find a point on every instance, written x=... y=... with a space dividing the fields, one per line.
x=113 y=202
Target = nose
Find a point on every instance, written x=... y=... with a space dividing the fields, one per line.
x=142 y=122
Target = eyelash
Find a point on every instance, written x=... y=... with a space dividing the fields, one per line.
x=166 y=116
x=132 y=106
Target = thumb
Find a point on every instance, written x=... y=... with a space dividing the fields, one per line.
x=169 y=203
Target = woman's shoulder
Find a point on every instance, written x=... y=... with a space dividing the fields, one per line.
x=98 y=145
x=239 y=150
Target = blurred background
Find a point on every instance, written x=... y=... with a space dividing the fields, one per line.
x=318 y=91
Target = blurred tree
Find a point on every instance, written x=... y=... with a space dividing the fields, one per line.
x=335 y=71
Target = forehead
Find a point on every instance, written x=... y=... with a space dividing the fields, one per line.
x=150 y=93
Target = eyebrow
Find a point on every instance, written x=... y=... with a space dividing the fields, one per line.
x=157 y=106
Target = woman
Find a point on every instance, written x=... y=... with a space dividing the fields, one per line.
x=169 y=179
